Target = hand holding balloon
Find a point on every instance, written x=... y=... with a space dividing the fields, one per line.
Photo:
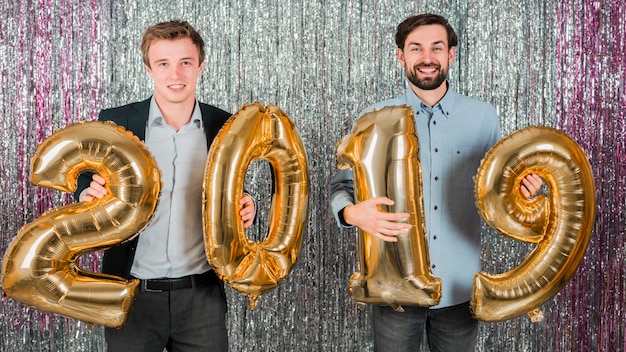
x=96 y=189
x=247 y=210
x=369 y=217
x=531 y=184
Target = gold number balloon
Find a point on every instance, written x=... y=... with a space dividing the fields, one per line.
x=255 y=132
x=39 y=267
x=560 y=223
x=382 y=152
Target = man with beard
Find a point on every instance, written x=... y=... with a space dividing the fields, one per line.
x=454 y=133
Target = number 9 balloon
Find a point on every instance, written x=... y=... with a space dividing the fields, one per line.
x=39 y=267
x=560 y=223
x=255 y=132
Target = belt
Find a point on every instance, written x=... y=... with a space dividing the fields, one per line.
x=170 y=284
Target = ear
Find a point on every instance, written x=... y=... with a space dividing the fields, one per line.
x=148 y=70
x=400 y=56
x=451 y=54
x=200 y=68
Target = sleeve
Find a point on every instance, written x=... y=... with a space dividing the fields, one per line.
x=496 y=134
x=341 y=195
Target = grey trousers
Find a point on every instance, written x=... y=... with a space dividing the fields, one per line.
x=450 y=329
x=191 y=319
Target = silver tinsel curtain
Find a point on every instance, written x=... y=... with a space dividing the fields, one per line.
x=555 y=63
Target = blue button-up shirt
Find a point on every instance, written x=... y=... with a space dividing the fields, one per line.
x=172 y=245
x=454 y=136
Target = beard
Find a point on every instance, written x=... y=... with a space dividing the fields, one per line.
x=426 y=83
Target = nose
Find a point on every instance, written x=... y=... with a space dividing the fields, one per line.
x=176 y=72
x=427 y=56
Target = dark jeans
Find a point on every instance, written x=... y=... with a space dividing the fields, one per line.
x=190 y=319
x=450 y=329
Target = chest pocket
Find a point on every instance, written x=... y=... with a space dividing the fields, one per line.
x=466 y=160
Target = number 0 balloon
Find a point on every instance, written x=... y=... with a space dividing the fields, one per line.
x=560 y=223
x=255 y=132
x=39 y=267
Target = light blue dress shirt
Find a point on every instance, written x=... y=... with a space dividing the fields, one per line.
x=172 y=245
x=454 y=136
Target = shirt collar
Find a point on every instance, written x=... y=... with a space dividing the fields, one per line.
x=444 y=105
x=155 y=115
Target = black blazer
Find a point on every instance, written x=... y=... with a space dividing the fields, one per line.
x=134 y=117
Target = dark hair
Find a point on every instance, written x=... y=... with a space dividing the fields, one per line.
x=408 y=25
x=170 y=30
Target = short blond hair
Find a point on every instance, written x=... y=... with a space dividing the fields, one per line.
x=170 y=30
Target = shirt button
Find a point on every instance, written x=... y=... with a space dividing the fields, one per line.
x=434 y=266
x=435 y=237
x=436 y=207
x=434 y=122
x=436 y=150
x=436 y=178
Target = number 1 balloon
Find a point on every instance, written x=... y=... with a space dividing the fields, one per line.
x=382 y=151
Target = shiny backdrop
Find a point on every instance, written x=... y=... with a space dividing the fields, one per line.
x=553 y=63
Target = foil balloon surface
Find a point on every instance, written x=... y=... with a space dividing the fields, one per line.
x=382 y=152
x=39 y=267
x=255 y=132
x=559 y=222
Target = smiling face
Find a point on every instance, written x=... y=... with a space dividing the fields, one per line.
x=426 y=57
x=174 y=66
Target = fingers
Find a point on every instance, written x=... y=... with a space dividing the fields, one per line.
x=96 y=187
x=384 y=237
x=99 y=179
x=380 y=201
x=247 y=222
x=388 y=230
x=246 y=199
x=247 y=211
x=531 y=184
x=95 y=190
x=370 y=218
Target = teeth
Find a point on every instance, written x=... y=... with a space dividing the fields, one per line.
x=177 y=86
